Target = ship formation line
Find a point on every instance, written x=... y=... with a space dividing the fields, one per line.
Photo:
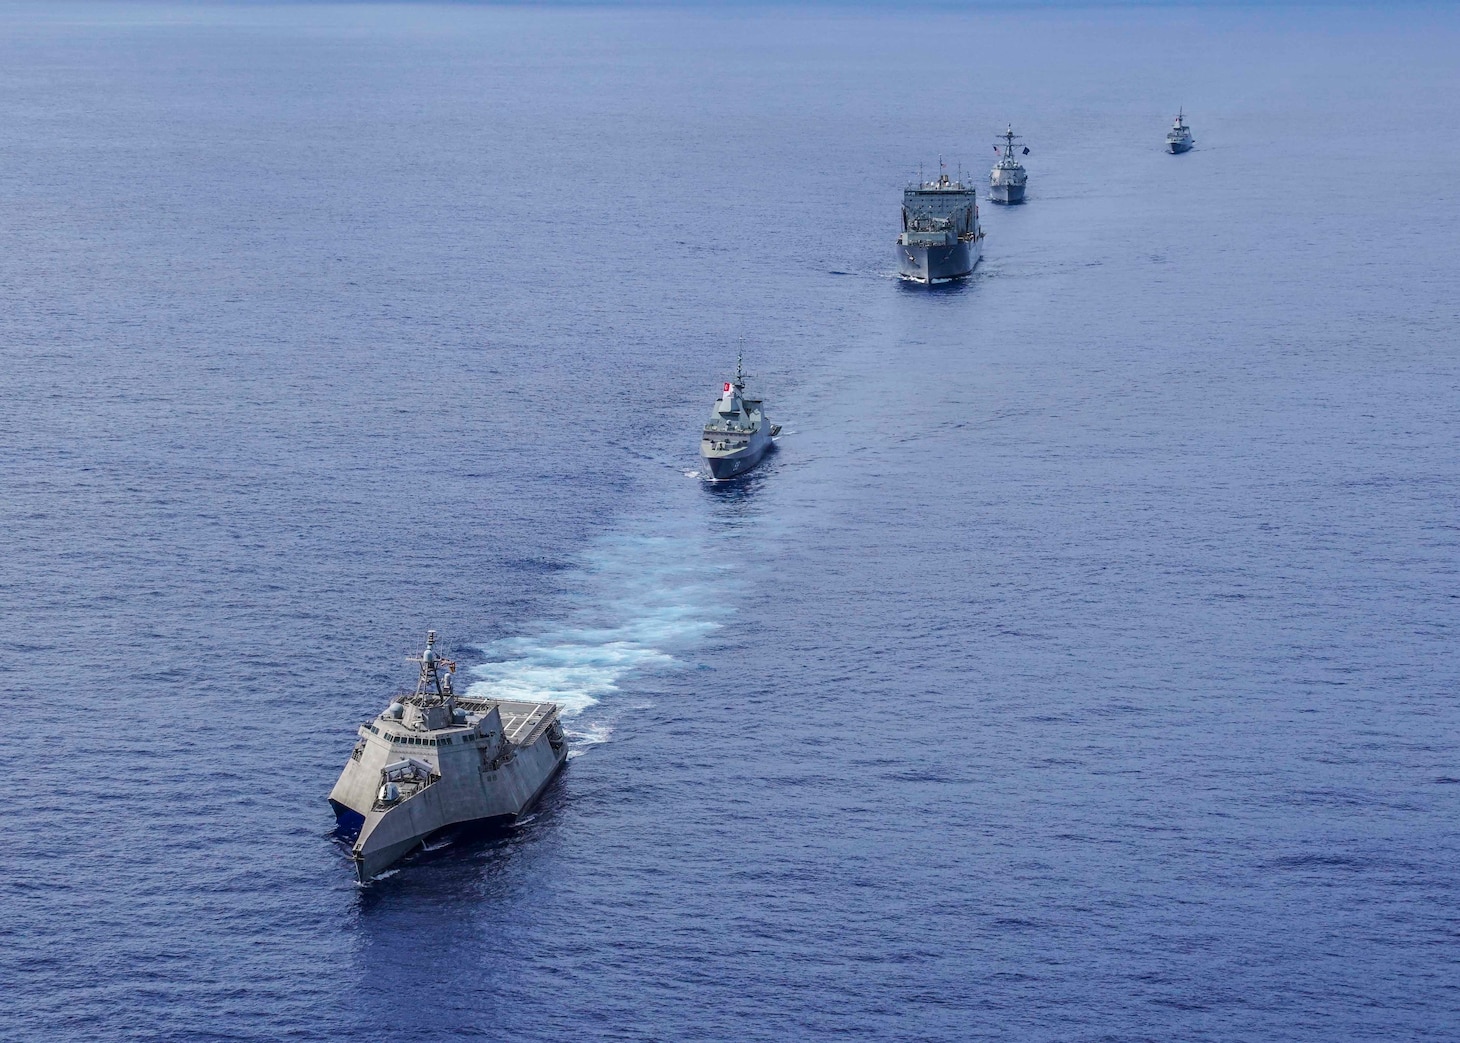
x=433 y=759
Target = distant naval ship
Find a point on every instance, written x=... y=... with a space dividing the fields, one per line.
x=1007 y=179
x=738 y=435
x=940 y=238
x=1178 y=138
x=435 y=759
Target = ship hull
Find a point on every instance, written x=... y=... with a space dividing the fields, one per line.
x=469 y=786
x=1178 y=147
x=724 y=464
x=1009 y=195
x=387 y=837
x=347 y=820
x=930 y=264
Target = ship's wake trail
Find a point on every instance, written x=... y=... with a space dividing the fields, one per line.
x=635 y=601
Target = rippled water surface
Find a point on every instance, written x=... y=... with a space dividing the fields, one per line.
x=1082 y=667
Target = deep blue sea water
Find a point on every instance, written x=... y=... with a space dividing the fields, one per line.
x=1082 y=667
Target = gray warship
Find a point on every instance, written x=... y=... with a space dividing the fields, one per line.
x=1178 y=138
x=738 y=435
x=435 y=759
x=1008 y=178
x=941 y=238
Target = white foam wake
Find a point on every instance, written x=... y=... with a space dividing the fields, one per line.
x=636 y=600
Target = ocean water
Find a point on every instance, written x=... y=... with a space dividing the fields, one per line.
x=1082 y=666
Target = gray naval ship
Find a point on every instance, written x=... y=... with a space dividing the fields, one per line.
x=941 y=238
x=435 y=759
x=1178 y=138
x=1008 y=178
x=738 y=435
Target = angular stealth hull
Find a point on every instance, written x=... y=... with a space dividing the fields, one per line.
x=937 y=263
x=1178 y=147
x=739 y=462
x=492 y=770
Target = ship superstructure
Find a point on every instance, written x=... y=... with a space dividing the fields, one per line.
x=1178 y=138
x=941 y=238
x=1008 y=177
x=435 y=759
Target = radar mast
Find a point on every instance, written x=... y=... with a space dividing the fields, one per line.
x=434 y=683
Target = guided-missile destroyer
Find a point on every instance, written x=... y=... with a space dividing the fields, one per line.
x=435 y=759
x=738 y=435
x=1008 y=178
x=1178 y=138
x=941 y=238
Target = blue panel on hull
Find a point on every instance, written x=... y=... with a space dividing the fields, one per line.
x=347 y=820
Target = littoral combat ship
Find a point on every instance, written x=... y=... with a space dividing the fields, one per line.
x=738 y=435
x=1178 y=138
x=941 y=238
x=1008 y=178
x=435 y=759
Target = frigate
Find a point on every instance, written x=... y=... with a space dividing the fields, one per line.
x=738 y=435
x=941 y=238
x=1178 y=138
x=1008 y=178
x=436 y=759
